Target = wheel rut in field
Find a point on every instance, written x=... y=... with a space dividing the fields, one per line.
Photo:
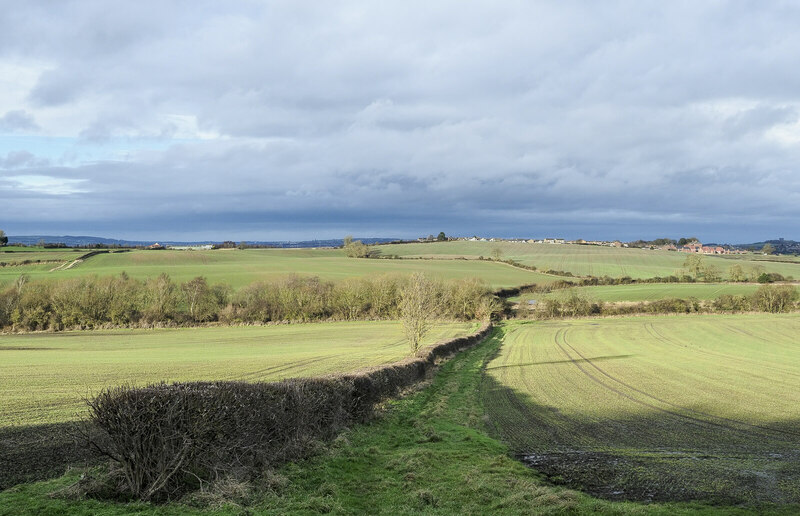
x=651 y=329
x=712 y=420
x=281 y=367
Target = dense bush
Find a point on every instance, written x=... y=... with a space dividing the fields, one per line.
x=167 y=438
x=774 y=298
x=770 y=277
x=120 y=301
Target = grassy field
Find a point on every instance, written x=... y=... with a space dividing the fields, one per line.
x=651 y=291
x=15 y=258
x=655 y=408
x=428 y=454
x=44 y=377
x=241 y=267
x=588 y=260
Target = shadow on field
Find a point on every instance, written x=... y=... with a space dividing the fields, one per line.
x=550 y=362
x=660 y=452
x=31 y=453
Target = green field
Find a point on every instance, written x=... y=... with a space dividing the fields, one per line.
x=15 y=258
x=45 y=377
x=651 y=291
x=587 y=260
x=429 y=454
x=684 y=407
x=241 y=267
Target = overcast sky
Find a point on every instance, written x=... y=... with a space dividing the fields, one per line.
x=298 y=120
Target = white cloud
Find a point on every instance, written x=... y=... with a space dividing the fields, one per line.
x=409 y=112
x=47 y=185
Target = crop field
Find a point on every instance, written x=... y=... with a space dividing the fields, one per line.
x=45 y=377
x=241 y=267
x=655 y=408
x=585 y=260
x=652 y=291
x=15 y=258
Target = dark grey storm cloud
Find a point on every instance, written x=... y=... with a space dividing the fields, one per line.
x=264 y=120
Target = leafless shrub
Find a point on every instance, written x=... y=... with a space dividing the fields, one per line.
x=167 y=438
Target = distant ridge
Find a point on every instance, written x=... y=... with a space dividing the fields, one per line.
x=71 y=241
x=780 y=245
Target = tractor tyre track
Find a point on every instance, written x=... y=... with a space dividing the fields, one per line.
x=750 y=430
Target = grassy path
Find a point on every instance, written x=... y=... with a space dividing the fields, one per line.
x=428 y=454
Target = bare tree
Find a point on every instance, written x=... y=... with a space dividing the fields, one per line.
x=693 y=265
x=416 y=309
x=736 y=273
x=774 y=298
x=20 y=282
x=195 y=292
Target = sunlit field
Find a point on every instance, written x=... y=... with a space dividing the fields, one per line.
x=669 y=408
x=45 y=377
x=241 y=267
x=589 y=260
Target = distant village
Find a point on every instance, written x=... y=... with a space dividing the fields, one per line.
x=692 y=246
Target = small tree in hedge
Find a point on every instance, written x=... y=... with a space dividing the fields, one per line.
x=416 y=308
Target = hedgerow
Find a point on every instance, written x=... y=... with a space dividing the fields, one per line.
x=169 y=438
x=91 y=302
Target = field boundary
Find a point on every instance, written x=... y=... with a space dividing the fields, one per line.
x=44 y=451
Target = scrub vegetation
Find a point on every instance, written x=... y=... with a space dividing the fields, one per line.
x=94 y=302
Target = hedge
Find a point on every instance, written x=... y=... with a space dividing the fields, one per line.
x=168 y=438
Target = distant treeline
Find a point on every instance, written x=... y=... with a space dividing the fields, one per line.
x=92 y=302
x=767 y=298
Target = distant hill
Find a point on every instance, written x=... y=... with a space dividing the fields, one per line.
x=781 y=246
x=81 y=241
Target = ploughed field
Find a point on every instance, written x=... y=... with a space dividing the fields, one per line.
x=45 y=376
x=655 y=408
x=589 y=260
x=238 y=268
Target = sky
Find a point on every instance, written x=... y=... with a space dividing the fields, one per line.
x=273 y=120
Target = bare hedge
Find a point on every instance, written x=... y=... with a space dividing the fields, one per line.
x=168 y=438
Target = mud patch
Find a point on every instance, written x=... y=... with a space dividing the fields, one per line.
x=663 y=476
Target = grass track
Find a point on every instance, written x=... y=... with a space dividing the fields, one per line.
x=45 y=376
x=656 y=407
